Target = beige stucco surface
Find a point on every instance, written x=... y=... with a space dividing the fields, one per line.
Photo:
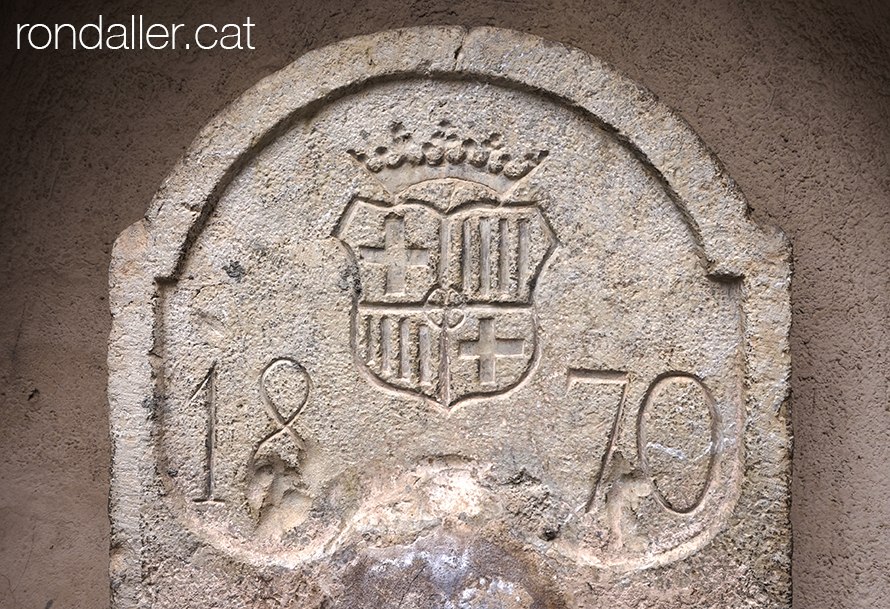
x=793 y=100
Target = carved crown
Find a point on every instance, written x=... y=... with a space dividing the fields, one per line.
x=445 y=152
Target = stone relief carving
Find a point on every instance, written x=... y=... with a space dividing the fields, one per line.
x=449 y=313
x=445 y=268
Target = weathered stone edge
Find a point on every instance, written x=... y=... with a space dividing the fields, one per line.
x=152 y=248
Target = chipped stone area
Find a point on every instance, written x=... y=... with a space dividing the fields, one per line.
x=471 y=322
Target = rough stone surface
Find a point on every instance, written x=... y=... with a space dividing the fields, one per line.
x=449 y=318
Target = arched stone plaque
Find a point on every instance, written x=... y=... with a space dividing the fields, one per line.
x=449 y=318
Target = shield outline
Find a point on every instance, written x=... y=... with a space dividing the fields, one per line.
x=493 y=203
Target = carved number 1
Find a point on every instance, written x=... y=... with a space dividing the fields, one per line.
x=206 y=394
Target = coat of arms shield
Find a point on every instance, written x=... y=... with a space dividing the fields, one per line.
x=445 y=303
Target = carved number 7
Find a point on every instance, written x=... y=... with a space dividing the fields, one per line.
x=603 y=377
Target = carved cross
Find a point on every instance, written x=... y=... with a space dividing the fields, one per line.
x=488 y=349
x=395 y=255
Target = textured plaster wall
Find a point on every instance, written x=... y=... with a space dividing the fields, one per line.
x=793 y=97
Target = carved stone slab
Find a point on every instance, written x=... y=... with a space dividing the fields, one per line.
x=448 y=318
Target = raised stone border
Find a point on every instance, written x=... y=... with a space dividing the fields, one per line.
x=150 y=251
